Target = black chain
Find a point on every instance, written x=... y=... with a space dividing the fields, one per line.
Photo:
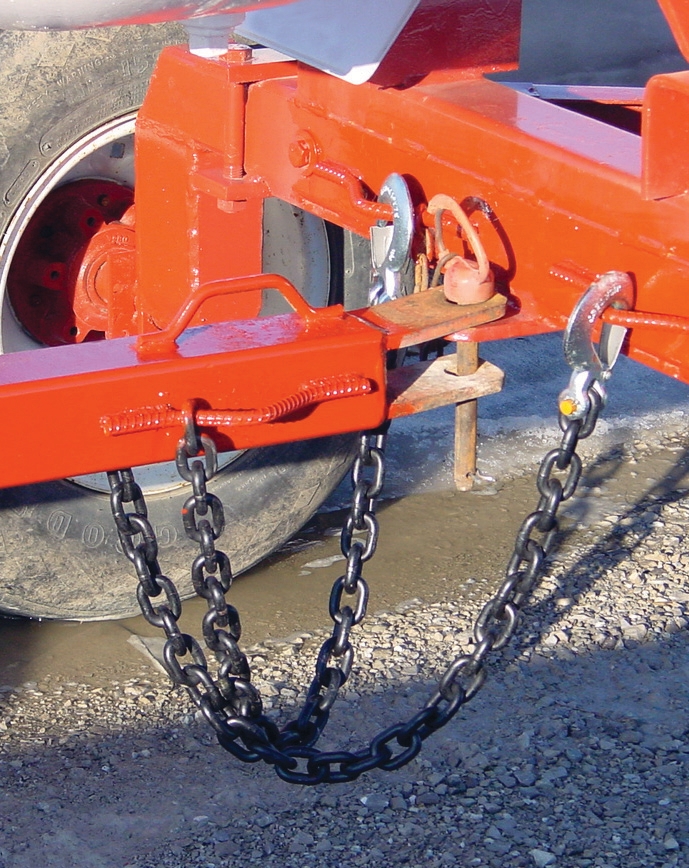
x=232 y=705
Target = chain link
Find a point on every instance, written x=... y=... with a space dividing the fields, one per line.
x=231 y=704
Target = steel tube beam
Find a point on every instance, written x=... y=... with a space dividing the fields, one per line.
x=565 y=190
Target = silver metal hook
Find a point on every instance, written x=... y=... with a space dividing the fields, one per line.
x=391 y=244
x=591 y=365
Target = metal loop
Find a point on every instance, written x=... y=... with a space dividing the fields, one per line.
x=232 y=727
x=131 y=490
x=341 y=631
x=234 y=662
x=553 y=459
x=481 y=651
x=189 y=513
x=373 y=458
x=448 y=687
x=532 y=554
x=411 y=750
x=327 y=759
x=148 y=546
x=570 y=438
x=197 y=675
x=526 y=578
x=304 y=730
x=146 y=573
x=562 y=460
x=498 y=621
x=296 y=777
x=548 y=507
x=223 y=575
x=439 y=718
x=214 y=618
x=417 y=724
x=348 y=529
x=125 y=490
x=529 y=524
x=344 y=661
x=207 y=545
x=506 y=590
x=173 y=649
x=198 y=486
x=332 y=681
x=244 y=698
x=354 y=563
x=591 y=418
x=339 y=587
x=227 y=739
x=209 y=452
x=157 y=615
x=361 y=506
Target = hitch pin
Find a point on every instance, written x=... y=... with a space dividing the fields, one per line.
x=591 y=367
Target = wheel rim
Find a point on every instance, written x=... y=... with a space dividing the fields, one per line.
x=58 y=281
x=105 y=154
x=102 y=162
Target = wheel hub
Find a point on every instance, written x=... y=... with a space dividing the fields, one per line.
x=74 y=259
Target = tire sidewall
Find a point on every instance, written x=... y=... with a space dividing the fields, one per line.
x=50 y=101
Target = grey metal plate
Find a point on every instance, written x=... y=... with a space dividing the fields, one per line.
x=347 y=38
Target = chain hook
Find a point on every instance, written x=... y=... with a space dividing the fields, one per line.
x=591 y=367
x=391 y=244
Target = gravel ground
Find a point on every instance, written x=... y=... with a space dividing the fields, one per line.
x=574 y=754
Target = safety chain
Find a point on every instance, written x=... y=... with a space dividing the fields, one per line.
x=231 y=704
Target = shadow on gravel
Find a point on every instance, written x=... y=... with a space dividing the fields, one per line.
x=633 y=528
x=13 y=634
x=580 y=758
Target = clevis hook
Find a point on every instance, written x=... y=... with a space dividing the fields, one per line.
x=592 y=366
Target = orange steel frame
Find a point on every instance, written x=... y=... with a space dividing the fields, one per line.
x=563 y=198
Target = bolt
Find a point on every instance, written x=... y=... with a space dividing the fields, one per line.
x=238 y=53
x=568 y=406
x=231 y=206
x=300 y=153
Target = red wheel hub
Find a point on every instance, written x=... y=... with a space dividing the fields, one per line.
x=72 y=274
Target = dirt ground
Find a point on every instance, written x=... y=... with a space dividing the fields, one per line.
x=105 y=763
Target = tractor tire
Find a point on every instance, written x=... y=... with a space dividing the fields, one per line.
x=67 y=98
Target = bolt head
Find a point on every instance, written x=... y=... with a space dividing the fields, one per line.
x=237 y=52
x=299 y=154
x=568 y=406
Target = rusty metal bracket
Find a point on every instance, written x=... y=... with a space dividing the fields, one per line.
x=425 y=316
